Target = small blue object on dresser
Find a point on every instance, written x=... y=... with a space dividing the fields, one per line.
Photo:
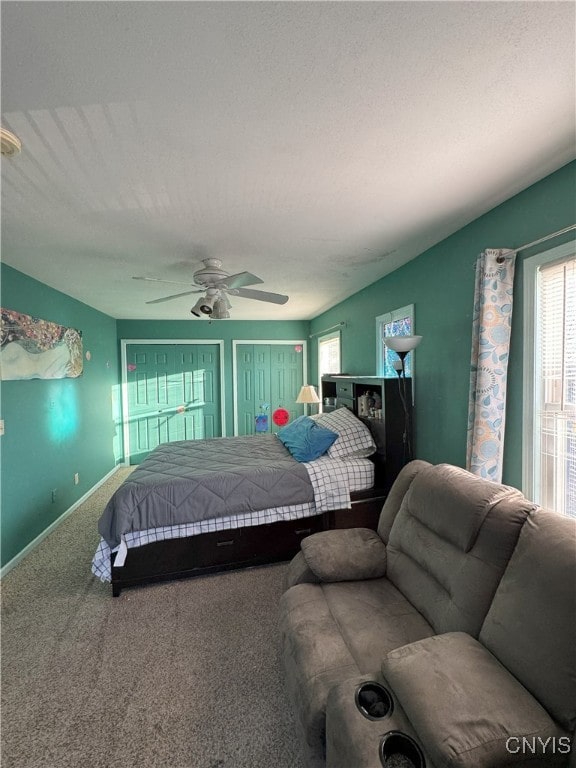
x=305 y=439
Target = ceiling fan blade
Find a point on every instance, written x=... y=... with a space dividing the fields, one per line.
x=159 y=280
x=247 y=293
x=174 y=296
x=240 y=279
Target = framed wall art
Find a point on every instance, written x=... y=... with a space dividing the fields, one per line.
x=32 y=348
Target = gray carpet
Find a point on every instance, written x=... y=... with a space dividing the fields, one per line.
x=180 y=675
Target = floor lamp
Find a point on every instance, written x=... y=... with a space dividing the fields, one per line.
x=402 y=345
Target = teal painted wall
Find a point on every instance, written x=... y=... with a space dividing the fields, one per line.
x=227 y=330
x=57 y=427
x=440 y=283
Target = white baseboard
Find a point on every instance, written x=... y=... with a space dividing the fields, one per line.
x=34 y=543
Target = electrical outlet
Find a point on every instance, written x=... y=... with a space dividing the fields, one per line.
x=1 y=426
x=76 y=478
x=54 y=495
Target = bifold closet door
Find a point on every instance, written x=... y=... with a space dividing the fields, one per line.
x=252 y=384
x=173 y=394
x=286 y=379
x=269 y=374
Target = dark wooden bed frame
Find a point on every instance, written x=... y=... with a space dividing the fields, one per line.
x=239 y=547
x=260 y=544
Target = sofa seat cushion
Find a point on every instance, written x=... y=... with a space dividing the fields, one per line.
x=315 y=658
x=331 y=632
x=466 y=707
x=345 y=555
x=373 y=617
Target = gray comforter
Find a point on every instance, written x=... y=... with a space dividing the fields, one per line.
x=193 y=480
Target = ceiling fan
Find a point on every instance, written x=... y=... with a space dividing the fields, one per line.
x=217 y=285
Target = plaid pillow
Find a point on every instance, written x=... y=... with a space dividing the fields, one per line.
x=354 y=437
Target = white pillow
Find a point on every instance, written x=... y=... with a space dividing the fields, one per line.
x=354 y=437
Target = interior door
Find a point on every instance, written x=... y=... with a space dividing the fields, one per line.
x=267 y=374
x=173 y=393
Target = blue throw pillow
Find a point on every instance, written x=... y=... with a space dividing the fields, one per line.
x=305 y=439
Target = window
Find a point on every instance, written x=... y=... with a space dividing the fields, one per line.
x=400 y=322
x=550 y=379
x=329 y=354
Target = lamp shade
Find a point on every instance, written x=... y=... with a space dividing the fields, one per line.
x=402 y=343
x=307 y=394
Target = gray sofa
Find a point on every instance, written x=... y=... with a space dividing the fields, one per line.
x=447 y=638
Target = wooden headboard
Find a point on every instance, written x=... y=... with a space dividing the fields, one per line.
x=389 y=428
x=382 y=474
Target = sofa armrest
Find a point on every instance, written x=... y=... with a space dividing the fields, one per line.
x=299 y=573
x=468 y=709
x=351 y=554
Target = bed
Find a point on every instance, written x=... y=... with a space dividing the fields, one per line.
x=194 y=507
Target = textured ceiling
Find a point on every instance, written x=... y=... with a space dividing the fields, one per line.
x=318 y=145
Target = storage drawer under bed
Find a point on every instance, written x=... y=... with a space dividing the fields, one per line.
x=208 y=552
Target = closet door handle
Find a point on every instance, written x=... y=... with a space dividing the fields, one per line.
x=226 y=543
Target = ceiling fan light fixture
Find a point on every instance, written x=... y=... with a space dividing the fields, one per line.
x=207 y=305
x=10 y=144
x=197 y=308
x=220 y=310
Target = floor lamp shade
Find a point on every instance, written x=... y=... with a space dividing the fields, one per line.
x=402 y=344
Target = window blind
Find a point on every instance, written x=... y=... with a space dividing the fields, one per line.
x=329 y=355
x=555 y=370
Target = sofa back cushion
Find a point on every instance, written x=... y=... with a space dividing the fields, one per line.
x=531 y=624
x=450 y=543
x=396 y=496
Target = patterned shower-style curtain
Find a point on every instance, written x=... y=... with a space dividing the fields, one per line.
x=491 y=327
